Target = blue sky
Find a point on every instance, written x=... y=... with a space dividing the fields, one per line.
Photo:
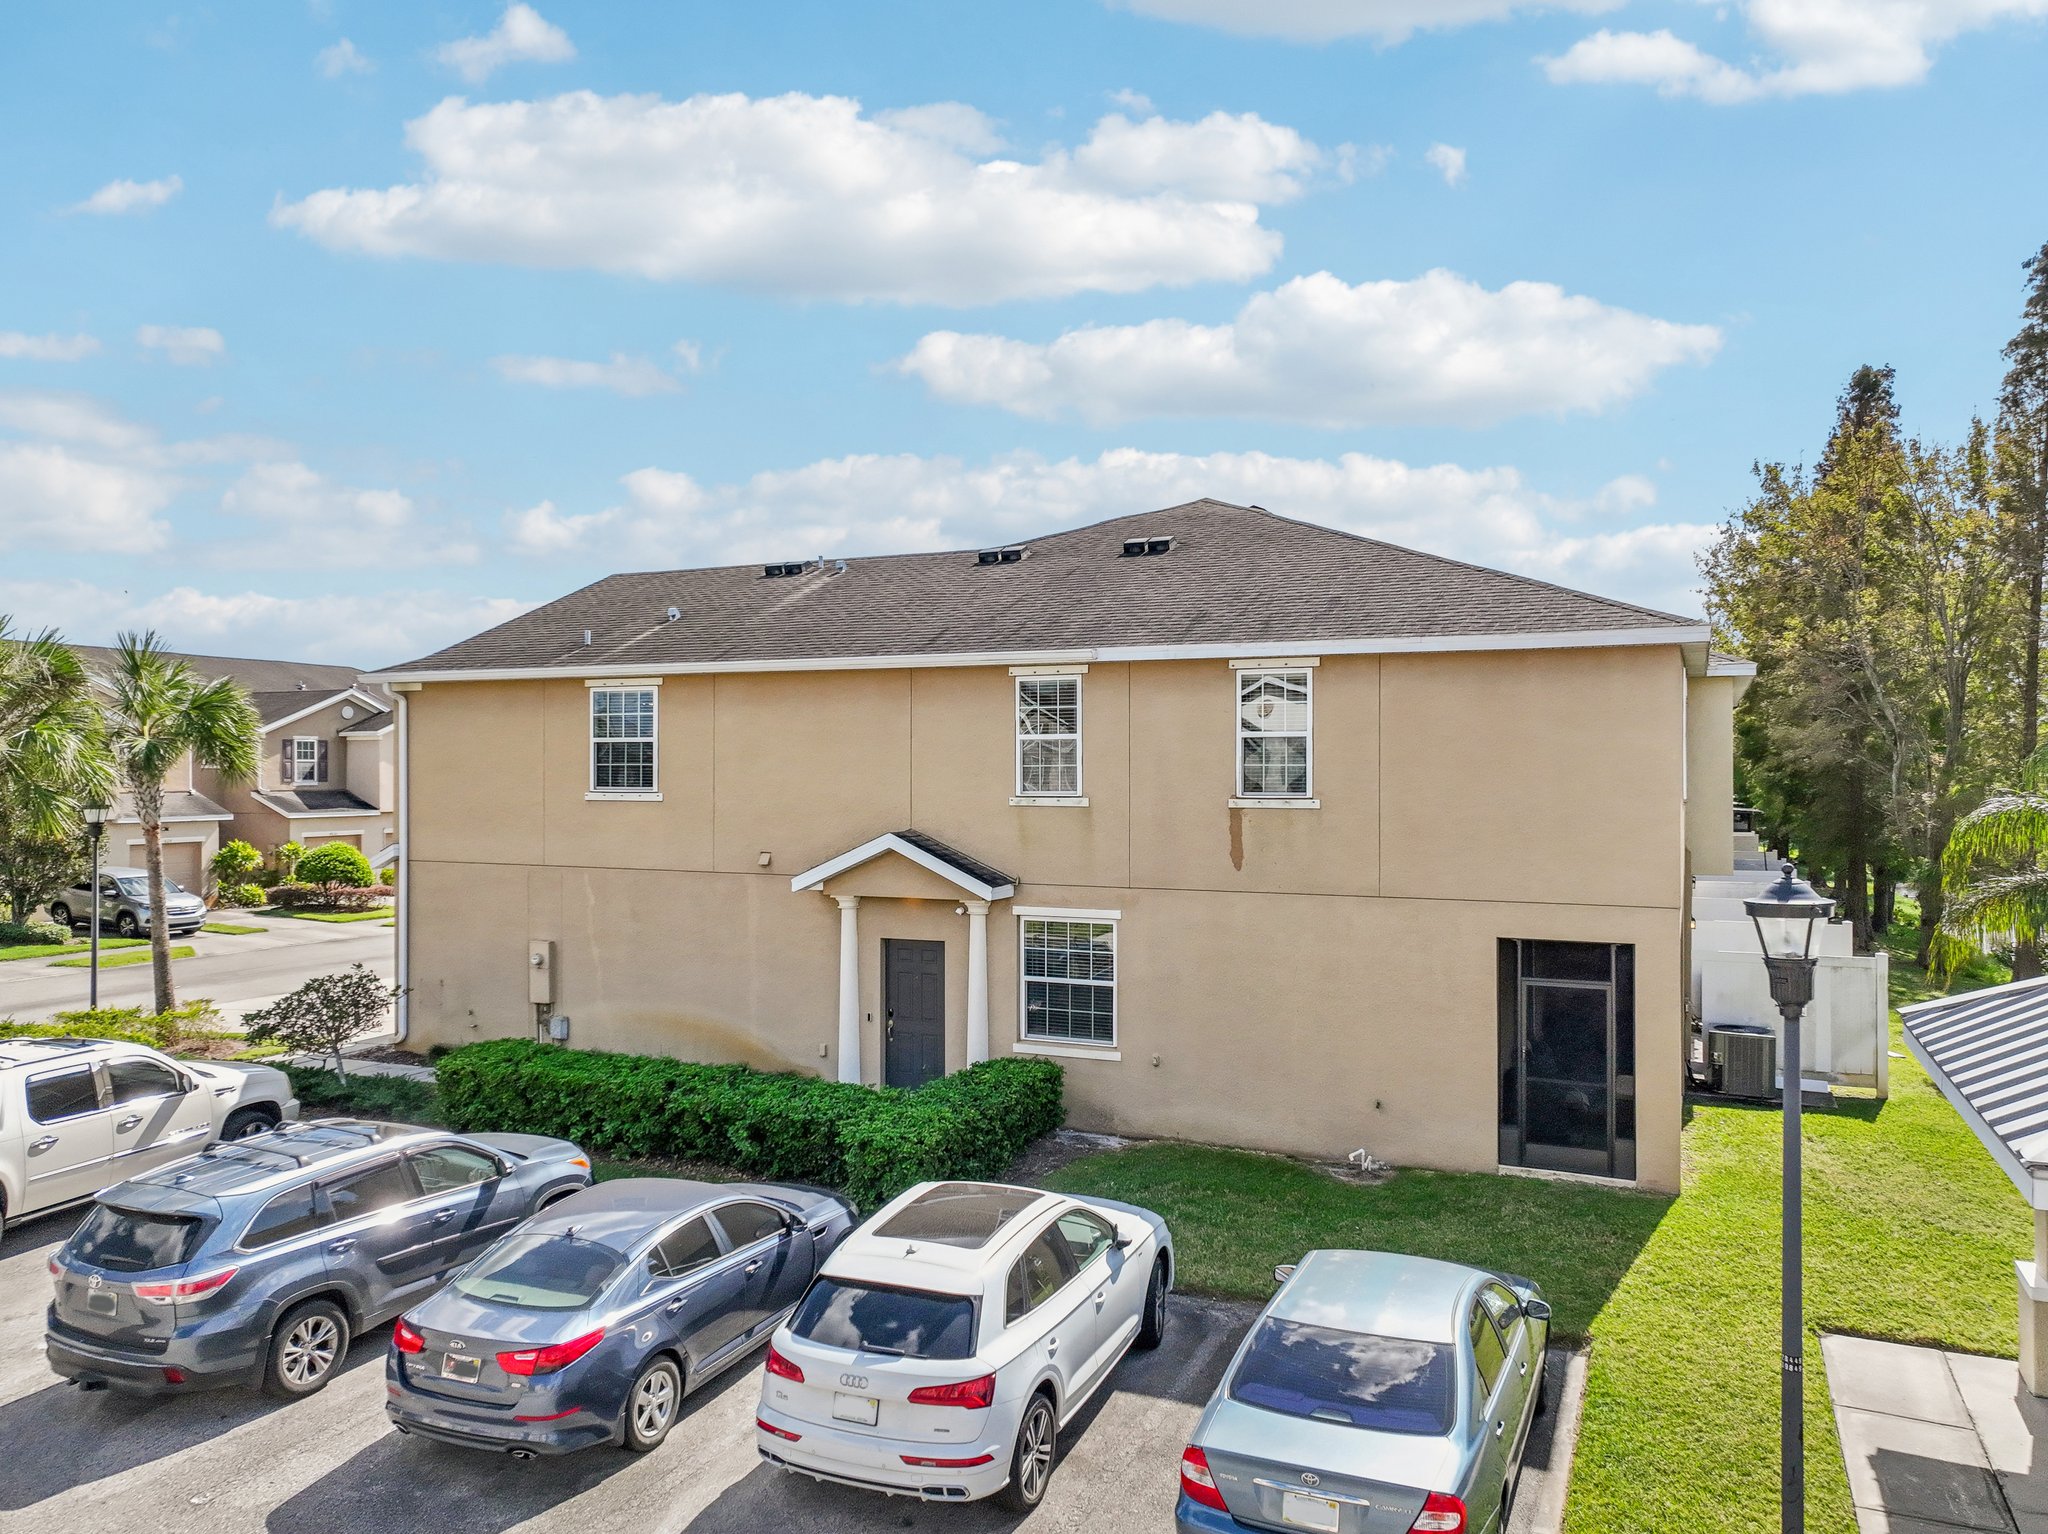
x=341 y=331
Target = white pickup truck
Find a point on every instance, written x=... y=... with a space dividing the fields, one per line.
x=79 y=1115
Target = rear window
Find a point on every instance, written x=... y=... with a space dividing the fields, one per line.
x=874 y=1319
x=538 y=1272
x=1388 y=1384
x=127 y=1241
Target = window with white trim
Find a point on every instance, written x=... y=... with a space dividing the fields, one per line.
x=1273 y=727
x=305 y=760
x=622 y=740
x=1049 y=737
x=1069 y=972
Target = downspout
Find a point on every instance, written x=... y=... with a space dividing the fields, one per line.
x=401 y=1009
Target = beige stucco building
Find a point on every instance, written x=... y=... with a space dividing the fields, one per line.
x=1272 y=836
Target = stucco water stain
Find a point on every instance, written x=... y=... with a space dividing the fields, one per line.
x=1237 y=838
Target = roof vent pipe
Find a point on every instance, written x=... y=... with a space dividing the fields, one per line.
x=674 y=613
x=586 y=636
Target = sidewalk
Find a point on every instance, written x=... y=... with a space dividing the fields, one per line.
x=358 y=1067
x=1937 y=1442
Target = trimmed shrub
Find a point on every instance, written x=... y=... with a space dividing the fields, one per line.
x=13 y=933
x=128 y=1025
x=322 y=1094
x=328 y=897
x=234 y=862
x=240 y=896
x=873 y=1143
x=334 y=864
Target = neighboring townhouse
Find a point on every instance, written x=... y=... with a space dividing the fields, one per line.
x=328 y=771
x=1271 y=835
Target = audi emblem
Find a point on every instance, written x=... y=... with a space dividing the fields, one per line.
x=854 y=1381
x=1310 y=1478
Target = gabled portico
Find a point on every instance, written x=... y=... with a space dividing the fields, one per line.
x=906 y=865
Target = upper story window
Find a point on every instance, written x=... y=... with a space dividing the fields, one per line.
x=1273 y=730
x=1049 y=737
x=622 y=745
x=1069 y=973
x=305 y=760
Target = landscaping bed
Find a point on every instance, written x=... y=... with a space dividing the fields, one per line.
x=58 y=950
x=139 y=955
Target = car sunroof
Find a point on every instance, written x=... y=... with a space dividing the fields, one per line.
x=959 y=1214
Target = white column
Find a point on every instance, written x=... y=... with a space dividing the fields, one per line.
x=977 y=981
x=849 y=987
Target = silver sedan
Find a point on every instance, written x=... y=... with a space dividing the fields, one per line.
x=1376 y=1394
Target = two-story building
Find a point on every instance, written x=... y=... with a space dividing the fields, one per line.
x=1273 y=836
x=328 y=770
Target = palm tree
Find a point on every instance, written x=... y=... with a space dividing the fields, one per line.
x=158 y=709
x=51 y=753
x=1994 y=875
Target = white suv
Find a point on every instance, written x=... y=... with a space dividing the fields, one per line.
x=78 y=1115
x=945 y=1343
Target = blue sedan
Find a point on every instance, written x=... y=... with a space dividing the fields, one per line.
x=591 y=1322
x=1377 y=1394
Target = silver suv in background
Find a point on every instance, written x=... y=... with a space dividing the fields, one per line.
x=124 y=904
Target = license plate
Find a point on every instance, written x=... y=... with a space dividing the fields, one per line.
x=865 y=1410
x=1305 y=1512
x=101 y=1303
x=467 y=1371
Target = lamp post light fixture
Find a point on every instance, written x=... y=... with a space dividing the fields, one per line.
x=96 y=810
x=1784 y=916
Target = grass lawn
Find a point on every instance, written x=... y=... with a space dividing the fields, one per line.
x=51 y=950
x=1911 y=1231
x=182 y=951
x=382 y=913
x=230 y=928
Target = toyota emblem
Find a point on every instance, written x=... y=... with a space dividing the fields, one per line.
x=854 y=1381
x=1310 y=1478
x=94 y=1282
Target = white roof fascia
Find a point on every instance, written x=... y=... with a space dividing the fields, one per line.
x=889 y=841
x=331 y=698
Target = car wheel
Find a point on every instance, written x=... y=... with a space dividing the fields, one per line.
x=245 y=1122
x=125 y=924
x=1031 y=1462
x=1152 y=1330
x=60 y=913
x=305 y=1350
x=652 y=1404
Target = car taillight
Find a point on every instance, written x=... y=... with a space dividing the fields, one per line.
x=972 y=1393
x=185 y=1288
x=556 y=1355
x=1441 y=1513
x=1196 y=1480
x=780 y=1432
x=406 y=1340
x=782 y=1367
x=946 y=1464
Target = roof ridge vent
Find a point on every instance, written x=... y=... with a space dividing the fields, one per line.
x=1008 y=554
x=1138 y=548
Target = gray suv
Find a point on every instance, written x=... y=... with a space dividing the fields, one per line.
x=124 y=904
x=256 y=1261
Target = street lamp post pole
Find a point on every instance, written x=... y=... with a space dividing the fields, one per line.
x=1784 y=916
x=95 y=826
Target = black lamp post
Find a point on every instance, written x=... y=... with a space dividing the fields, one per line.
x=1784 y=915
x=95 y=811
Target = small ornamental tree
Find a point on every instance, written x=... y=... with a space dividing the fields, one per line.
x=234 y=863
x=335 y=866
x=288 y=855
x=325 y=1013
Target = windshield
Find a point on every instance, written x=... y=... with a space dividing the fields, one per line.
x=870 y=1318
x=125 y=1241
x=138 y=889
x=537 y=1272
x=1388 y=1384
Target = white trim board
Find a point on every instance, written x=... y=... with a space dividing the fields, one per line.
x=331 y=698
x=1668 y=634
x=889 y=841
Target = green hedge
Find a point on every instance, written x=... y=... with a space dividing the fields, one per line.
x=126 y=1025
x=873 y=1143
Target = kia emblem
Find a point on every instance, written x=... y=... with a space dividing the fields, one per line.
x=457 y=1345
x=1310 y=1478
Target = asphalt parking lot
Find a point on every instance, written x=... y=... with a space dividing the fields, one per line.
x=227 y=1462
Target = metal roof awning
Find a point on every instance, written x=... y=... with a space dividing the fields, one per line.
x=1988 y=1053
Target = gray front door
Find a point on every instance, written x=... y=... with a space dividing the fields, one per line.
x=914 y=1011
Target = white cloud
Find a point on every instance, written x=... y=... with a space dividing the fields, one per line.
x=521 y=36
x=53 y=496
x=1449 y=162
x=302 y=516
x=630 y=376
x=130 y=196
x=1132 y=101
x=1810 y=47
x=810 y=196
x=872 y=504
x=20 y=346
x=1319 y=21
x=185 y=345
x=689 y=356
x=342 y=58
x=1438 y=349
x=321 y=627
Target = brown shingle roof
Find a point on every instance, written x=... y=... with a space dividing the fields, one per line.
x=256 y=675
x=1234 y=575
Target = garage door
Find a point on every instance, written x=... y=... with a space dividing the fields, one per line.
x=353 y=838
x=181 y=864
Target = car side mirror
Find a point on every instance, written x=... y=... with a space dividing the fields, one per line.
x=187 y=1083
x=1283 y=1272
x=1121 y=1242
x=1536 y=1310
